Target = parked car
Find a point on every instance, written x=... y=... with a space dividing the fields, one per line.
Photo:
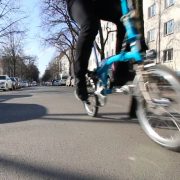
x=48 y=83
x=5 y=83
x=63 y=81
x=14 y=83
x=56 y=83
x=24 y=83
x=34 y=83
x=18 y=82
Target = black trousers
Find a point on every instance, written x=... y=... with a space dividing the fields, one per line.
x=88 y=13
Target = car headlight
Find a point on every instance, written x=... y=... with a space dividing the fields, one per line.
x=2 y=83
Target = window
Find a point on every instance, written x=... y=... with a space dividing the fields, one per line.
x=169 y=3
x=3 y=77
x=168 y=55
x=151 y=35
x=152 y=10
x=169 y=27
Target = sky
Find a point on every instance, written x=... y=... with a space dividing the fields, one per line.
x=33 y=44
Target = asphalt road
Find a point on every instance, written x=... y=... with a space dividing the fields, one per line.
x=46 y=134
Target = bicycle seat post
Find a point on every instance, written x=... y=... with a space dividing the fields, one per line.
x=95 y=54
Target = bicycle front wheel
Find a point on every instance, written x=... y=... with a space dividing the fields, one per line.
x=158 y=109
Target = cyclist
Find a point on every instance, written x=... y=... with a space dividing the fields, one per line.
x=88 y=13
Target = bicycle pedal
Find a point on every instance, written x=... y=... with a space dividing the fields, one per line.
x=102 y=99
x=162 y=101
x=123 y=89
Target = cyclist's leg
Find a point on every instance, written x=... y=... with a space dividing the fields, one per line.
x=83 y=13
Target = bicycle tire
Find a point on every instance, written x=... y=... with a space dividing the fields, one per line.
x=91 y=106
x=160 y=117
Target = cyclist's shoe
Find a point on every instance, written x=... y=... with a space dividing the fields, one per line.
x=81 y=90
x=123 y=89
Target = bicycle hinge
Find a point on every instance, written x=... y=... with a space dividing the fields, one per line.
x=102 y=98
x=127 y=16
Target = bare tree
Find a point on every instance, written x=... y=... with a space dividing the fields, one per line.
x=12 y=48
x=11 y=36
x=103 y=39
x=47 y=76
x=9 y=16
x=62 y=30
x=32 y=73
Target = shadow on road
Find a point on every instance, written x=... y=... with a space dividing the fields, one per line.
x=8 y=97
x=30 y=170
x=83 y=117
x=10 y=112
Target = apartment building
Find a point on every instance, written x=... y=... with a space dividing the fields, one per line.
x=162 y=30
x=64 y=66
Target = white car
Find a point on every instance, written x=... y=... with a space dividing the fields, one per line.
x=34 y=83
x=24 y=84
x=57 y=83
x=5 y=83
x=63 y=81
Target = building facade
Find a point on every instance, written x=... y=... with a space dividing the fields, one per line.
x=64 y=66
x=162 y=30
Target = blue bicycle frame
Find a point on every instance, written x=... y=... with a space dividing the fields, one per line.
x=132 y=38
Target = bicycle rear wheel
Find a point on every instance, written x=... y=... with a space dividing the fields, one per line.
x=91 y=106
x=158 y=106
